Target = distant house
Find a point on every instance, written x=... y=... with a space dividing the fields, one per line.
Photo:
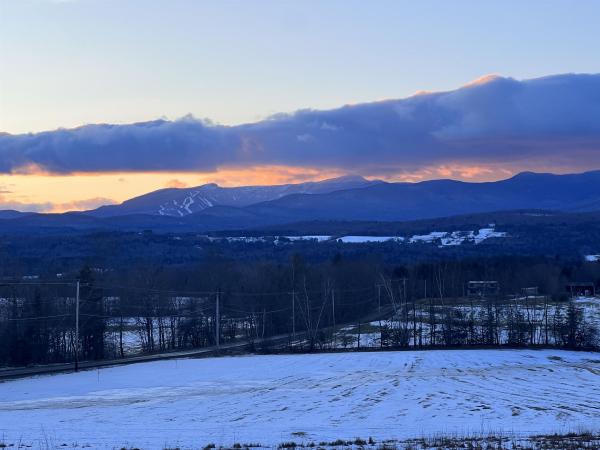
x=482 y=289
x=111 y=304
x=529 y=291
x=30 y=277
x=581 y=289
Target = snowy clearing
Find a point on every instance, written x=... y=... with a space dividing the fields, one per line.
x=319 y=238
x=320 y=397
x=441 y=238
x=458 y=237
x=366 y=239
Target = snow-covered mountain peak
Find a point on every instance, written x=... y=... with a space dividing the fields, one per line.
x=180 y=202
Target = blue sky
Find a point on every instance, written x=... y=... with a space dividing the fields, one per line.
x=68 y=63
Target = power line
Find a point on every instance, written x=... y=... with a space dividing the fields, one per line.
x=256 y=312
x=169 y=291
x=154 y=290
x=369 y=300
x=41 y=317
x=169 y=316
x=239 y=294
x=41 y=283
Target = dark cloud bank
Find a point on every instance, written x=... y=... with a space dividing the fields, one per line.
x=552 y=120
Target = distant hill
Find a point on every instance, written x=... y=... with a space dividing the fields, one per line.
x=12 y=214
x=124 y=241
x=344 y=199
x=182 y=202
x=429 y=199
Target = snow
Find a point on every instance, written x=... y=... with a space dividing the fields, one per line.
x=590 y=307
x=587 y=300
x=487 y=233
x=364 y=239
x=427 y=237
x=318 y=238
x=442 y=238
x=420 y=331
x=247 y=239
x=274 y=239
x=321 y=397
x=184 y=207
x=458 y=237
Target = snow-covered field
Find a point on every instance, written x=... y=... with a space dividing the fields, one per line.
x=322 y=397
x=368 y=239
x=441 y=238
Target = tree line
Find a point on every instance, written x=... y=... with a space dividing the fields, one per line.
x=148 y=309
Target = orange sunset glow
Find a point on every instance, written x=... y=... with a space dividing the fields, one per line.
x=59 y=193
x=80 y=191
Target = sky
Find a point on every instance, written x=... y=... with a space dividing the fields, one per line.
x=219 y=82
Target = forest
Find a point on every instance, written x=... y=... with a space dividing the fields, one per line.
x=159 y=308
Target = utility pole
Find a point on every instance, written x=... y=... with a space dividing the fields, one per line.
x=405 y=301
x=379 y=313
x=77 y=327
x=217 y=321
x=293 y=317
x=333 y=313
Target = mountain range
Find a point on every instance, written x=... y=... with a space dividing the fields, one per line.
x=178 y=202
x=211 y=207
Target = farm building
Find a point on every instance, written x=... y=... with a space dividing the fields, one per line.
x=581 y=289
x=482 y=289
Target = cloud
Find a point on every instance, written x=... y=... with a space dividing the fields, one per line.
x=159 y=145
x=81 y=205
x=305 y=137
x=328 y=126
x=175 y=183
x=50 y=207
x=7 y=203
x=494 y=121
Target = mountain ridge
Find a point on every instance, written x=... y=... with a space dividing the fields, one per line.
x=180 y=202
x=370 y=201
x=442 y=198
